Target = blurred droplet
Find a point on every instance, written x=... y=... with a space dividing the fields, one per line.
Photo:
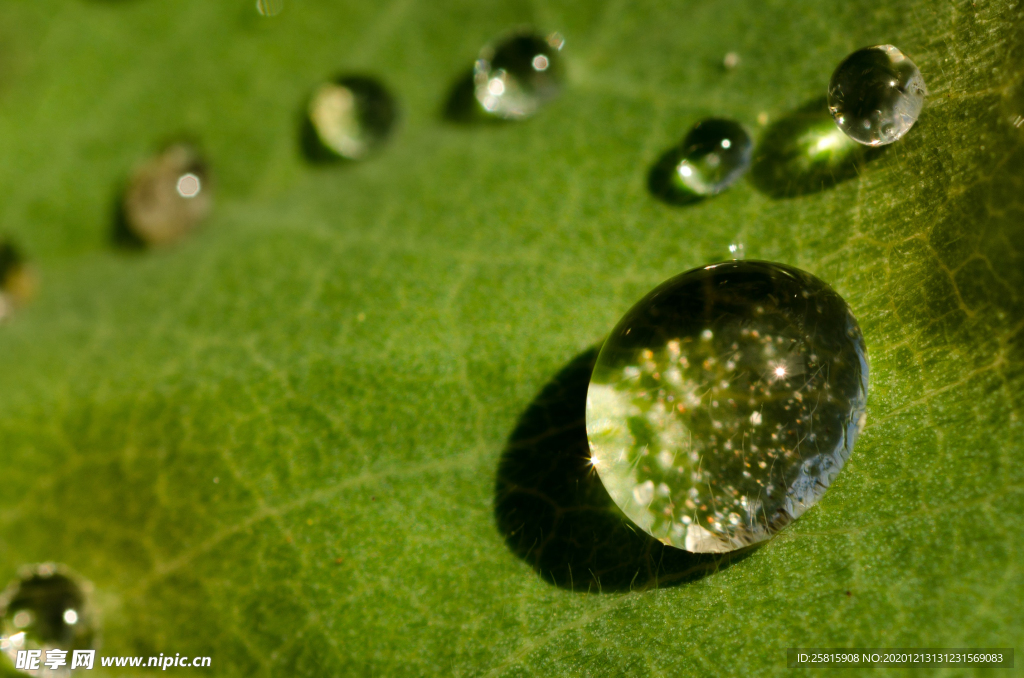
x=731 y=61
x=737 y=250
x=714 y=154
x=47 y=608
x=167 y=197
x=876 y=94
x=725 y=403
x=17 y=280
x=513 y=78
x=269 y=7
x=348 y=118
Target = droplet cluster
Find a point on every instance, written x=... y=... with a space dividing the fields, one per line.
x=725 y=403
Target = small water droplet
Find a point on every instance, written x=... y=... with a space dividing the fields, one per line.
x=775 y=344
x=47 y=608
x=714 y=154
x=731 y=61
x=348 y=118
x=167 y=197
x=269 y=7
x=17 y=280
x=513 y=78
x=876 y=95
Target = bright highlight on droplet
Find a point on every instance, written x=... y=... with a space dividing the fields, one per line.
x=540 y=63
x=70 y=617
x=189 y=185
x=725 y=403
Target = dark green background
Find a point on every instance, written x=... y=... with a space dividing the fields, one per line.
x=352 y=530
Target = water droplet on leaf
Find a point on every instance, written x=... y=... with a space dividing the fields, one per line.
x=515 y=77
x=747 y=382
x=349 y=118
x=167 y=197
x=714 y=154
x=876 y=95
x=47 y=608
x=17 y=281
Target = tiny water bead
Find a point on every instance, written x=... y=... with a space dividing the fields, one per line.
x=167 y=197
x=876 y=94
x=47 y=608
x=725 y=403
x=348 y=118
x=712 y=156
x=515 y=77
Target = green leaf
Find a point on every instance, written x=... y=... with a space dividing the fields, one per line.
x=278 y=444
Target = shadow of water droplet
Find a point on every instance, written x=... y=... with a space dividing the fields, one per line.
x=557 y=516
x=461 y=106
x=805 y=152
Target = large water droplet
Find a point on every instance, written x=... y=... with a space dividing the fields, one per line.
x=348 y=118
x=515 y=77
x=17 y=281
x=47 y=608
x=167 y=197
x=804 y=152
x=725 y=403
x=876 y=94
x=714 y=154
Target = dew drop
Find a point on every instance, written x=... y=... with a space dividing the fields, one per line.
x=513 y=78
x=876 y=95
x=770 y=340
x=47 y=608
x=712 y=156
x=269 y=7
x=167 y=197
x=17 y=280
x=348 y=118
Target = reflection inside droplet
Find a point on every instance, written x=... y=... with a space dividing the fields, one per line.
x=70 y=617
